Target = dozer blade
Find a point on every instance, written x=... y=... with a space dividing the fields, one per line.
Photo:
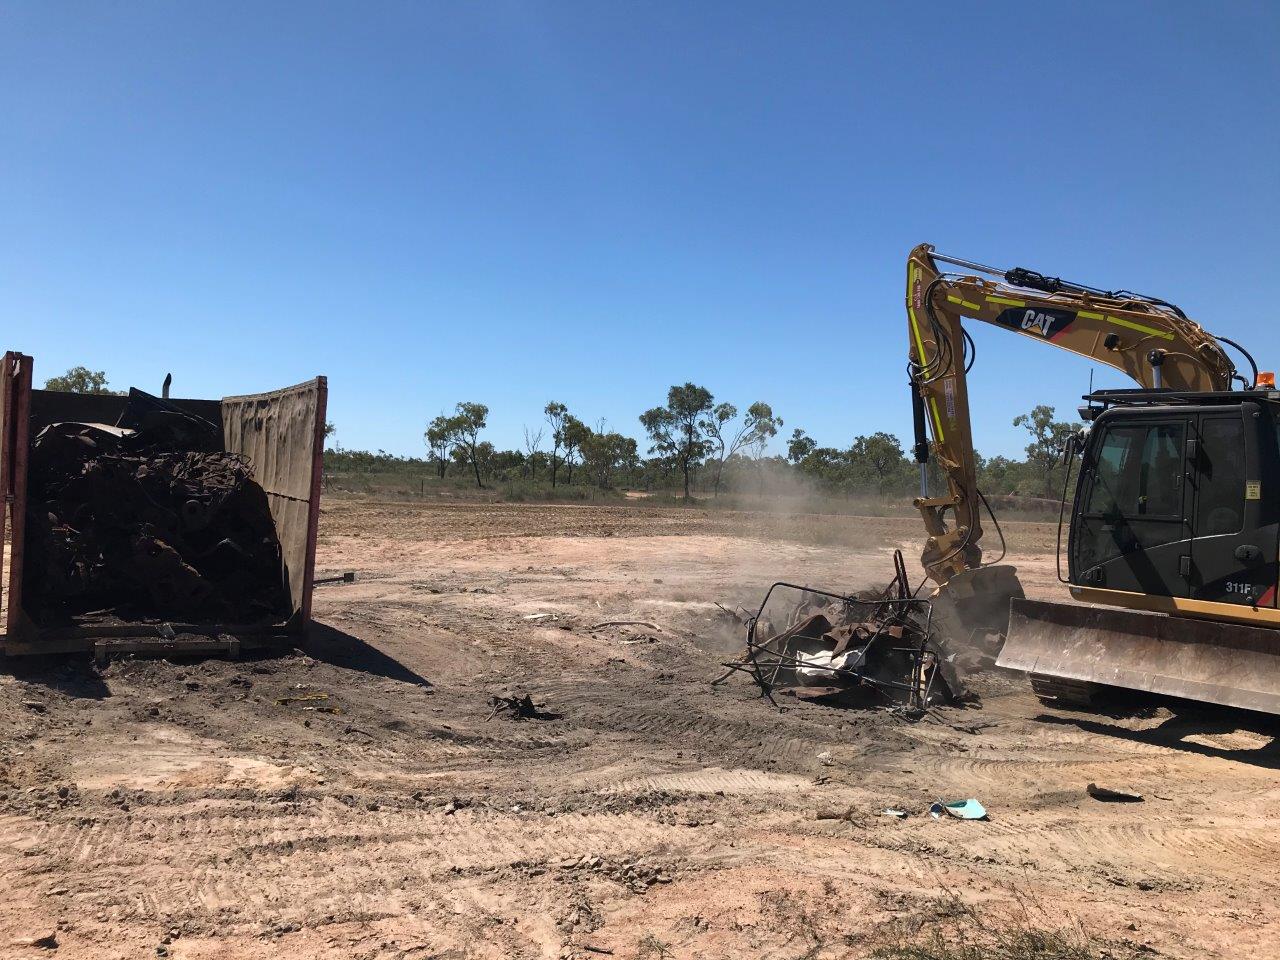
x=1223 y=663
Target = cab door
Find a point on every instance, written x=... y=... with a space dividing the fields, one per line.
x=1130 y=531
x=1234 y=531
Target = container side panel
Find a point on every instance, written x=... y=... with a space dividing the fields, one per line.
x=313 y=513
x=279 y=432
x=6 y=459
x=17 y=451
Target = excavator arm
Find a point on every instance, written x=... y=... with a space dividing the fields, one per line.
x=1148 y=339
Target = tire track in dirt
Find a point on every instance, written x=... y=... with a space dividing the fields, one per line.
x=1180 y=849
x=420 y=750
x=324 y=859
x=1046 y=773
x=340 y=826
x=712 y=780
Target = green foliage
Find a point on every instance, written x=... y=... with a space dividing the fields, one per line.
x=879 y=454
x=362 y=461
x=573 y=435
x=455 y=438
x=800 y=446
x=699 y=445
x=605 y=454
x=1048 y=444
x=556 y=414
x=877 y=463
x=871 y=463
x=466 y=424
x=440 y=439
x=678 y=430
x=81 y=380
x=758 y=426
x=536 y=464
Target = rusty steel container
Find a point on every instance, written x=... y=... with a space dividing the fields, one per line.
x=282 y=435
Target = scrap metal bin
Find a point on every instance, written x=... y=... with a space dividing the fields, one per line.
x=282 y=435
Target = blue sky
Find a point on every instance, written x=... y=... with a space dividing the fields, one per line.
x=515 y=202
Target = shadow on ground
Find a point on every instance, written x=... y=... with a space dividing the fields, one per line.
x=72 y=675
x=77 y=676
x=341 y=649
x=1174 y=732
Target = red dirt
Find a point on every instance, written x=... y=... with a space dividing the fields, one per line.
x=214 y=809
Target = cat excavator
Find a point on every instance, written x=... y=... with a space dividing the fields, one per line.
x=1172 y=554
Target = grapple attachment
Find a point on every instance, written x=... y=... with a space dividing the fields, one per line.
x=970 y=615
x=975 y=604
x=1070 y=644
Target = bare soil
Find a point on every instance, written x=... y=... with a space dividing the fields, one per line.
x=360 y=799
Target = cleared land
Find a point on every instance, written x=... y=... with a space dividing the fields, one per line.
x=358 y=801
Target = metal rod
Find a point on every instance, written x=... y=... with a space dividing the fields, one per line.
x=348 y=577
x=968 y=263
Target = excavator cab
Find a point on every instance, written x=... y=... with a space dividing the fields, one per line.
x=1175 y=519
x=1170 y=501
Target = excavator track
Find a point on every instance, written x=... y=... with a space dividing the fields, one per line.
x=1059 y=692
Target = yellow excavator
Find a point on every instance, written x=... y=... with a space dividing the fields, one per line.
x=1172 y=548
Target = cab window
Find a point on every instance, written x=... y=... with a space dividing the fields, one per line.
x=1138 y=473
x=1220 y=476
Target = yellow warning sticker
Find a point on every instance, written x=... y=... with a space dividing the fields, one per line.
x=1253 y=490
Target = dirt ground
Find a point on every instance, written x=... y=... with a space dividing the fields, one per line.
x=358 y=799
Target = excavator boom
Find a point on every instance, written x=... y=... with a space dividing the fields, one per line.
x=1148 y=339
x=1171 y=488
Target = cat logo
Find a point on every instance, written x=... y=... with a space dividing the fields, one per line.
x=1041 y=323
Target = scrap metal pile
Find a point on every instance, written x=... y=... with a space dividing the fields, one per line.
x=874 y=647
x=148 y=518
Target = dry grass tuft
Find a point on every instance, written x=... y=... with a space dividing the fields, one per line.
x=950 y=929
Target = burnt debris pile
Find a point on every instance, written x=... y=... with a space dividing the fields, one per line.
x=148 y=519
x=877 y=647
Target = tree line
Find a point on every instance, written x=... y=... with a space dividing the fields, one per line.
x=878 y=463
x=693 y=441
x=691 y=433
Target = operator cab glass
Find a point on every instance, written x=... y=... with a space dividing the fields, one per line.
x=1171 y=503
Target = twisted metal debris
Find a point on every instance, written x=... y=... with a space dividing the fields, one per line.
x=835 y=647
